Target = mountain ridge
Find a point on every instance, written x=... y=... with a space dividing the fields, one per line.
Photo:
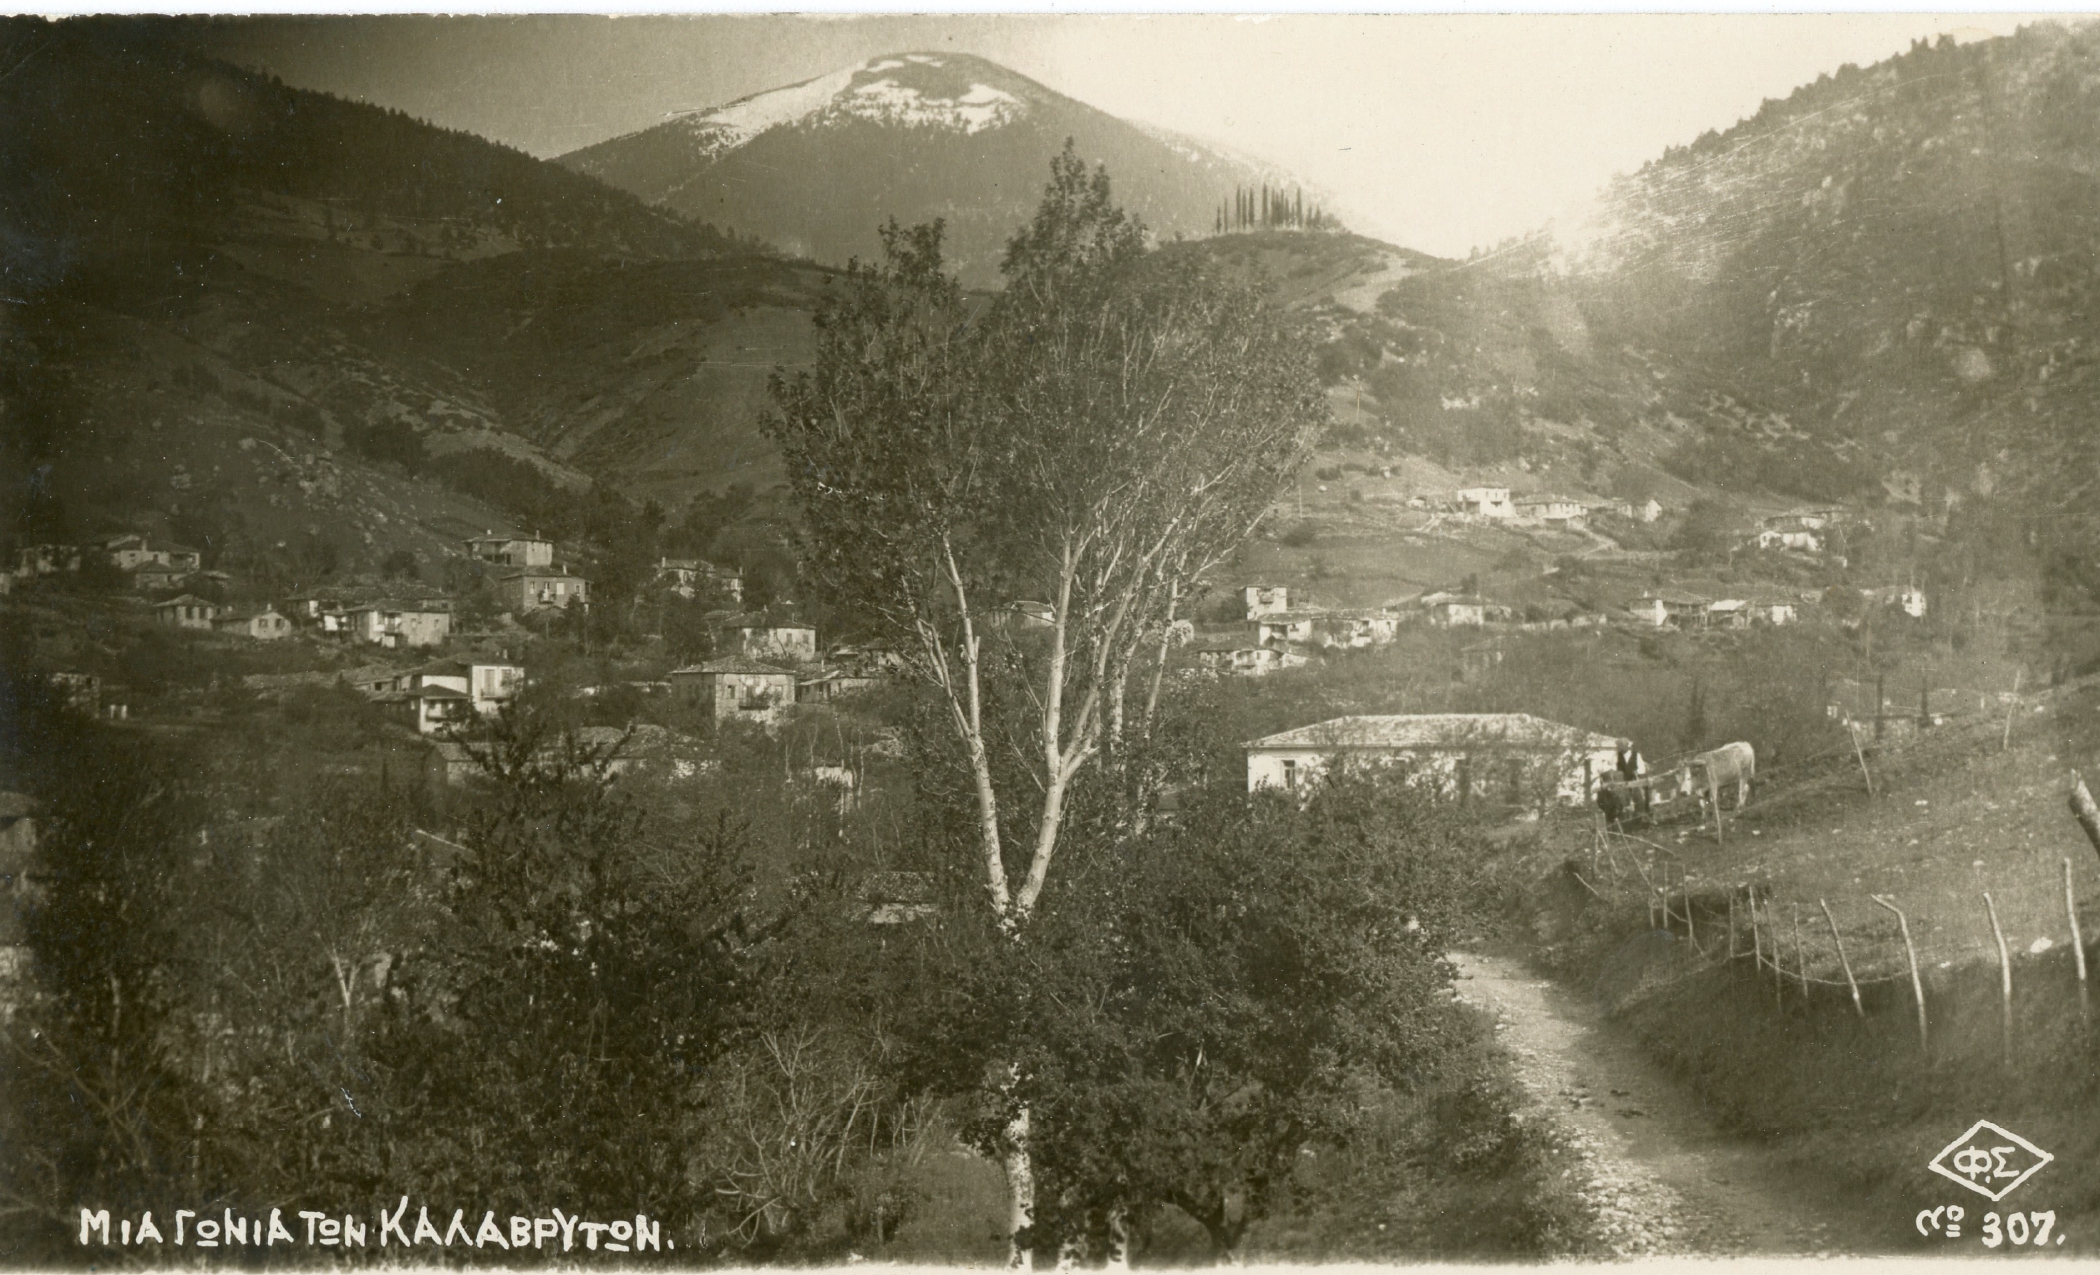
x=818 y=165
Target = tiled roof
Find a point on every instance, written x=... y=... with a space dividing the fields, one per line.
x=734 y=665
x=1431 y=730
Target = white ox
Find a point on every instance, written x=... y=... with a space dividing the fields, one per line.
x=1706 y=773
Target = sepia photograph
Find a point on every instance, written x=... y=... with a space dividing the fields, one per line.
x=1048 y=641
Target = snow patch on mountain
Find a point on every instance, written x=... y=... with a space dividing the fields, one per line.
x=852 y=94
x=980 y=108
x=725 y=127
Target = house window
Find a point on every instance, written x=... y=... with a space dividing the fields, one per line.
x=1290 y=774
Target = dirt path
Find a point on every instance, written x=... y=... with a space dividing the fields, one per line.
x=1662 y=1178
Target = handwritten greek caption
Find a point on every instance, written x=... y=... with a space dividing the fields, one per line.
x=192 y=1229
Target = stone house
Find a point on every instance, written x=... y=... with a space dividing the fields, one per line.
x=763 y=637
x=399 y=625
x=736 y=689
x=538 y=587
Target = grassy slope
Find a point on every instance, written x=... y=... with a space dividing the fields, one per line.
x=1853 y=1100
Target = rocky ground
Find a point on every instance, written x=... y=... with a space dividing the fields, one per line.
x=1661 y=1178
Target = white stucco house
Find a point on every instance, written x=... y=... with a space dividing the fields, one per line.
x=1485 y=502
x=1512 y=759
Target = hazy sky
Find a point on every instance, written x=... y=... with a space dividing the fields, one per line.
x=1436 y=132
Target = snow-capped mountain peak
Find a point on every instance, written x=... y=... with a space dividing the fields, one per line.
x=922 y=90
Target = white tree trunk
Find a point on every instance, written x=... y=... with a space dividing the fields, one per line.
x=1020 y=1192
x=1119 y=1238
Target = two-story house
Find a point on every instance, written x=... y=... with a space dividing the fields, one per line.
x=736 y=689
x=511 y=551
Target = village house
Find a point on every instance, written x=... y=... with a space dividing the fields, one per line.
x=511 y=551
x=266 y=624
x=186 y=612
x=487 y=685
x=1798 y=538
x=152 y=577
x=1287 y=626
x=438 y=709
x=736 y=689
x=1546 y=508
x=44 y=560
x=829 y=685
x=1806 y=518
x=374 y=680
x=1770 y=609
x=1728 y=613
x=536 y=588
x=1242 y=660
x=1024 y=615
x=1454 y=610
x=1356 y=630
x=81 y=692
x=690 y=577
x=1662 y=609
x=762 y=637
x=399 y=625
x=1265 y=599
x=1485 y=502
x=1648 y=510
x=1477 y=660
x=1511 y=759
x=872 y=659
x=129 y=552
x=643 y=750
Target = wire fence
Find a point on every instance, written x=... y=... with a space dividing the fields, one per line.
x=1859 y=939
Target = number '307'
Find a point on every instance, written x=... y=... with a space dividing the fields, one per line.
x=2020 y=1228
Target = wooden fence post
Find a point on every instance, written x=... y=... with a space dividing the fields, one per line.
x=1800 y=955
x=1853 y=732
x=1691 y=927
x=2004 y=978
x=1917 y=985
x=1757 y=939
x=2087 y=813
x=2077 y=941
x=2005 y=741
x=1843 y=960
